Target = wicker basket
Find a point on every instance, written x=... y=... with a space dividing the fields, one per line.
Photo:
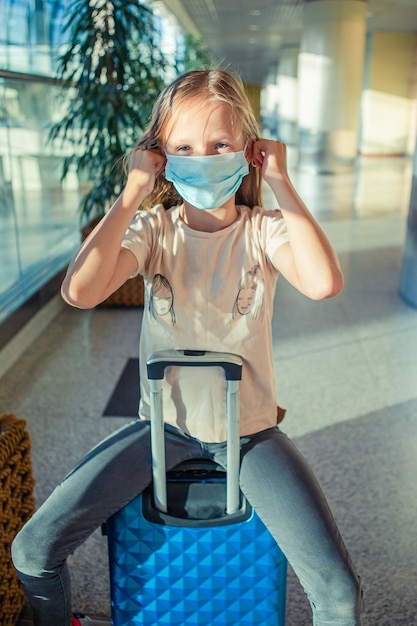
x=131 y=293
x=17 y=504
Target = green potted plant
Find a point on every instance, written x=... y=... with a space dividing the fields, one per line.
x=196 y=53
x=112 y=70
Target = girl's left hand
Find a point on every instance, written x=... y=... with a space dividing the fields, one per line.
x=270 y=157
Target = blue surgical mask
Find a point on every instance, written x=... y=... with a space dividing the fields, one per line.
x=206 y=182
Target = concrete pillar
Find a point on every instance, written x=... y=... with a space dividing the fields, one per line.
x=408 y=280
x=288 y=95
x=269 y=105
x=388 y=96
x=253 y=91
x=330 y=68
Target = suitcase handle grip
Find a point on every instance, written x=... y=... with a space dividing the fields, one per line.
x=156 y=364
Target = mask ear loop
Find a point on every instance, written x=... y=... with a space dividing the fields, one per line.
x=253 y=139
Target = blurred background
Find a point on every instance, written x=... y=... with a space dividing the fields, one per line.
x=336 y=80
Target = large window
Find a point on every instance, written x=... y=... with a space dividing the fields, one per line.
x=39 y=221
x=38 y=214
x=30 y=34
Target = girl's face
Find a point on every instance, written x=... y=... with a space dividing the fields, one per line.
x=245 y=300
x=162 y=300
x=203 y=128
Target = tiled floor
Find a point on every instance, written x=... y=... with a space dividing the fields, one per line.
x=345 y=368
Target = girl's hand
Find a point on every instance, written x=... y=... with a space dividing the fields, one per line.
x=271 y=158
x=144 y=167
x=308 y=260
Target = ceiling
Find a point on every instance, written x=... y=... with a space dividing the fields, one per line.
x=247 y=35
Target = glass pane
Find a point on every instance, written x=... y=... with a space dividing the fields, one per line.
x=44 y=212
x=9 y=253
x=30 y=34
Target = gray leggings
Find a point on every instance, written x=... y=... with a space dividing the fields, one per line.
x=274 y=477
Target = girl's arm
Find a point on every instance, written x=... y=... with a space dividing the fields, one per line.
x=308 y=261
x=101 y=264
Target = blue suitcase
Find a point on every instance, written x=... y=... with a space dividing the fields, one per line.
x=190 y=550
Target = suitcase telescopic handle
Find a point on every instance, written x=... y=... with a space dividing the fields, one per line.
x=156 y=364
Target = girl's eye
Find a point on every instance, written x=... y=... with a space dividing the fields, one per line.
x=183 y=149
x=224 y=147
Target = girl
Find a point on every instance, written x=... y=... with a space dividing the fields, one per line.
x=200 y=165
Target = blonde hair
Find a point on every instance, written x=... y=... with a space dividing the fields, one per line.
x=215 y=84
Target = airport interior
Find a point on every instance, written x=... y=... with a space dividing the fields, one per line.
x=336 y=81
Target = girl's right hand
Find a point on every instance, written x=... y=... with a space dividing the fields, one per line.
x=144 y=167
x=102 y=265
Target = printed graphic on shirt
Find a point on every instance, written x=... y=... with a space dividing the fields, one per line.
x=161 y=301
x=250 y=295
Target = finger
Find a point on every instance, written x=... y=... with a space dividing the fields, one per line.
x=153 y=145
x=144 y=159
x=258 y=154
x=281 y=147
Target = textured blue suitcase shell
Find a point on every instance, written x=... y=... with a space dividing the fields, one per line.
x=233 y=574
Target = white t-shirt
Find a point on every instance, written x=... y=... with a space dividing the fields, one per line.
x=209 y=291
